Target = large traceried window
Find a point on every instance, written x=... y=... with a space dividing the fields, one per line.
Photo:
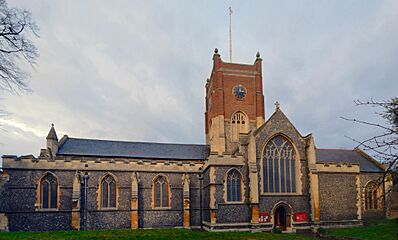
x=161 y=192
x=371 y=196
x=48 y=192
x=108 y=192
x=239 y=124
x=234 y=186
x=279 y=166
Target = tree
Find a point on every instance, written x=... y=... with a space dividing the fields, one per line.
x=384 y=145
x=16 y=28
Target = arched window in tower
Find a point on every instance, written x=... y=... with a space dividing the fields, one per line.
x=108 y=192
x=234 y=186
x=279 y=166
x=48 y=192
x=161 y=192
x=239 y=124
x=371 y=196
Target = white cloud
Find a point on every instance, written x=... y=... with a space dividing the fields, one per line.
x=136 y=70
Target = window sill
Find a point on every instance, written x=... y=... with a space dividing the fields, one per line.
x=233 y=203
x=47 y=209
x=161 y=208
x=107 y=209
x=281 y=194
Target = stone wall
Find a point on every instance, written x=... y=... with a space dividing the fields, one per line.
x=338 y=196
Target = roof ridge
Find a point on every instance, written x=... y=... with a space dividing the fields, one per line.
x=126 y=141
x=344 y=149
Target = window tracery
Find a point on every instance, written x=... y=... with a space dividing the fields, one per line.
x=108 y=192
x=239 y=124
x=371 y=196
x=48 y=192
x=161 y=192
x=234 y=186
x=279 y=166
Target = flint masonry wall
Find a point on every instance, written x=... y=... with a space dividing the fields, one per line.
x=231 y=212
x=338 y=196
x=19 y=198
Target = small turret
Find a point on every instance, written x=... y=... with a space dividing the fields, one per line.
x=52 y=142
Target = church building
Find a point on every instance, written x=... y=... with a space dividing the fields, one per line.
x=253 y=173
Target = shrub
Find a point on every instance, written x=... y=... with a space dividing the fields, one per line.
x=321 y=231
x=277 y=230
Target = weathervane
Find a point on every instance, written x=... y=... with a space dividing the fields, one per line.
x=230 y=34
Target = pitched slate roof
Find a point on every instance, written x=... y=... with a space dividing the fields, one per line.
x=107 y=148
x=346 y=156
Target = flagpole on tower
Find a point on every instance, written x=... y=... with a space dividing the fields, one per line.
x=230 y=34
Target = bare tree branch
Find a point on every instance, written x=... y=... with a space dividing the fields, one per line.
x=17 y=27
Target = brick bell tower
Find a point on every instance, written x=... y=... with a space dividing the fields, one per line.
x=234 y=102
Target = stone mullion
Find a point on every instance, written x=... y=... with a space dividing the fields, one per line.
x=292 y=158
x=279 y=171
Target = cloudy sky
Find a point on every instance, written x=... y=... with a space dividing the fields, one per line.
x=135 y=70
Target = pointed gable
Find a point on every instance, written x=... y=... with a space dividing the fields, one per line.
x=278 y=123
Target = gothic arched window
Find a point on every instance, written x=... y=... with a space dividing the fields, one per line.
x=108 y=192
x=234 y=186
x=239 y=124
x=161 y=192
x=279 y=166
x=371 y=196
x=48 y=192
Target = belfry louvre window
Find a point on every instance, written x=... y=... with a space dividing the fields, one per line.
x=108 y=192
x=279 y=166
x=48 y=192
x=239 y=123
x=161 y=192
x=371 y=196
x=234 y=186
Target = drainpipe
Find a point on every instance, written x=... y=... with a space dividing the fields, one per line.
x=200 y=195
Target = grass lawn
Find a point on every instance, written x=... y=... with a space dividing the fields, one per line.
x=146 y=234
x=380 y=230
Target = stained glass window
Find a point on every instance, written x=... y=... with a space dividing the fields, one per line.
x=234 y=190
x=279 y=166
x=108 y=192
x=161 y=192
x=49 y=191
x=371 y=197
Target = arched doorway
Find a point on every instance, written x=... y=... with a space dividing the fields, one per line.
x=282 y=217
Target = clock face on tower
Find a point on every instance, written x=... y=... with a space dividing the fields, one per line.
x=239 y=91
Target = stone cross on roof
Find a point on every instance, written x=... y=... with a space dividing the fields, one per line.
x=277 y=105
